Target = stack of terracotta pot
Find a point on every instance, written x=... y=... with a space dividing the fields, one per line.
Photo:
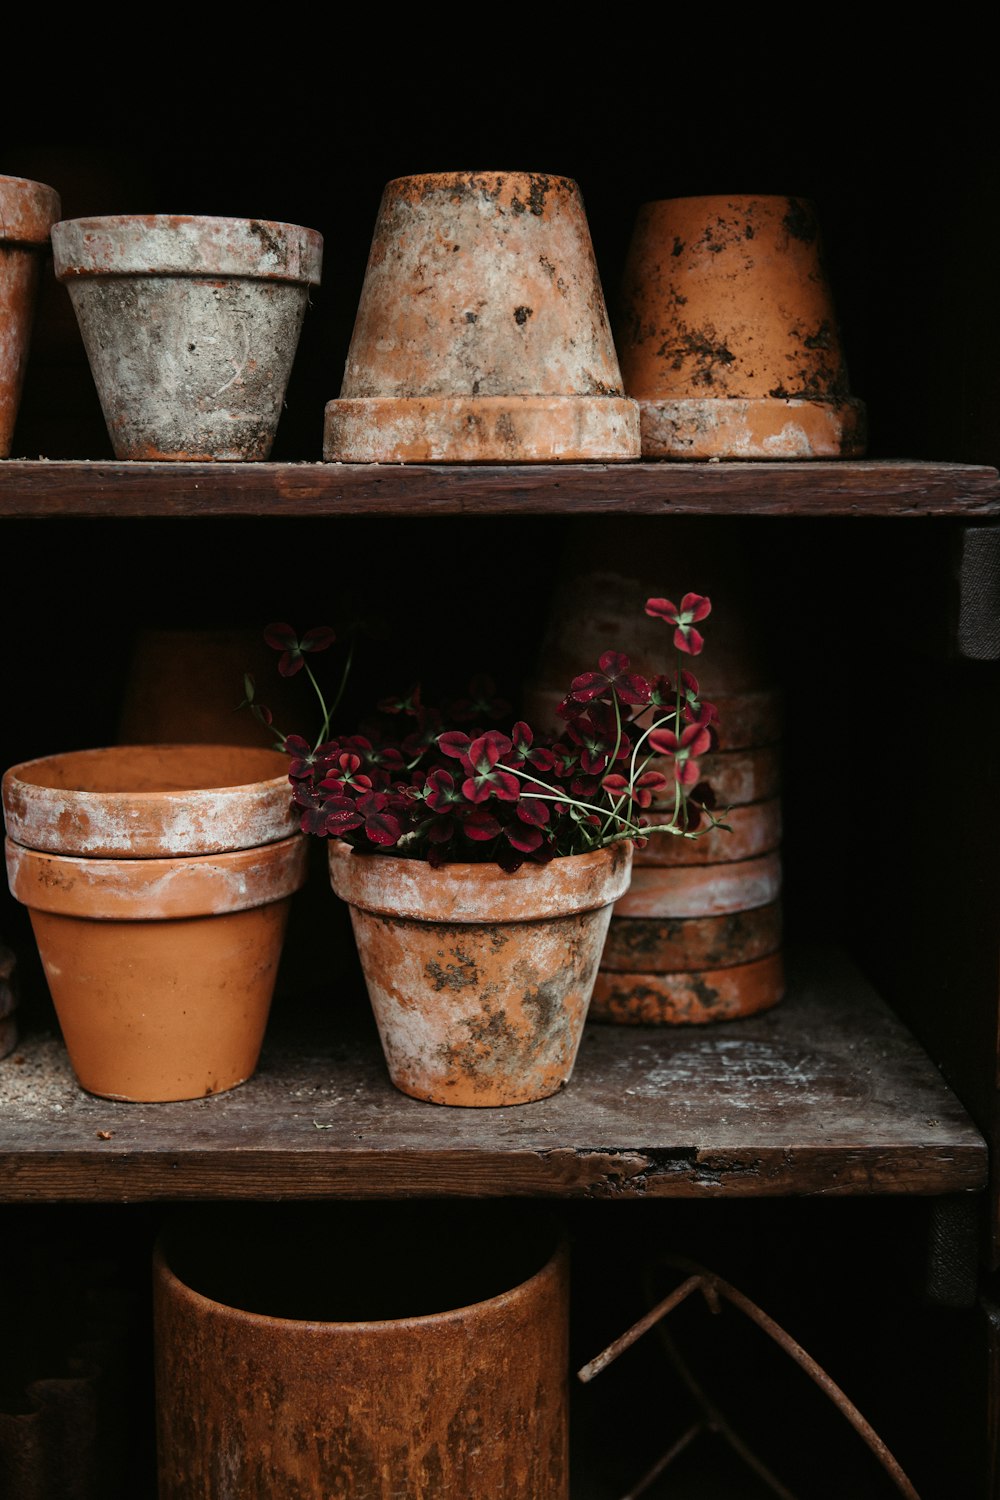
x=698 y=936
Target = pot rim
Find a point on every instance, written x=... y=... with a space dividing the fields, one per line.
x=27 y=211
x=186 y=245
x=552 y=1269
x=392 y=885
x=465 y=178
x=144 y=890
x=206 y=817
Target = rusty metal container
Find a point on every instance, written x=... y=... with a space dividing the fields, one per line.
x=27 y=212
x=482 y=334
x=364 y=1351
x=727 y=333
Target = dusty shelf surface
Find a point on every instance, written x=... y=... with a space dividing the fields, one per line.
x=883 y=487
x=826 y=1094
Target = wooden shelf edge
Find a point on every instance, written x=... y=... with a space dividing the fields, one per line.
x=827 y=1094
x=103 y=490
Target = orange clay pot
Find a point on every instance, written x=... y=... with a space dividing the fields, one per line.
x=727 y=333
x=482 y=334
x=27 y=212
x=158 y=878
x=150 y=801
x=690 y=998
x=363 y=1351
x=666 y=945
x=480 y=980
x=161 y=970
x=752 y=830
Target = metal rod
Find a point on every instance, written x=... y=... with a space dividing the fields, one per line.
x=607 y=1356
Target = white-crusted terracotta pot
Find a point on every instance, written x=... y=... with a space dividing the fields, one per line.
x=191 y=325
x=482 y=334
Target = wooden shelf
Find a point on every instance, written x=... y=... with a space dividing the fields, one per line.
x=871 y=488
x=827 y=1094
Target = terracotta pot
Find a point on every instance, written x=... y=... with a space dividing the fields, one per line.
x=152 y=873
x=150 y=801
x=302 y=1353
x=8 y=1002
x=482 y=334
x=190 y=325
x=727 y=333
x=669 y=892
x=665 y=945
x=480 y=980
x=27 y=212
x=161 y=970
x=690 y=998
x=185 y=684
x=752 y=830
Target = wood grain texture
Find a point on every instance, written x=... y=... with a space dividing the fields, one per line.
x=826 y=1094
x=862 y=488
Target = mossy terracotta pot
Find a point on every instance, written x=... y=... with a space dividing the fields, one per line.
x=364 y=1351
x=482 y=334
x=191 y=326
x=728 y=336
x=27 y=212
x=480 y=980
x=160 y=924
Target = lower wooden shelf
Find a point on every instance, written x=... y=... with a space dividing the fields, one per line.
x=826 y=1094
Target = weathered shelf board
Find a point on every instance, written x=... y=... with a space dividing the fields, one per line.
x=43 y=488
x=827 y=1094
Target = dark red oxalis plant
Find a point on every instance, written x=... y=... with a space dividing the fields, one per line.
x=624 y=763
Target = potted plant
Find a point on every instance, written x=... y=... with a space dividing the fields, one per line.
x=481 y=867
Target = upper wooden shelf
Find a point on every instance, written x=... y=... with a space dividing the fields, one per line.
x=870 y=488
x=826 y=1094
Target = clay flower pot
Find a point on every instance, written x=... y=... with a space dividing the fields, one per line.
x=482 y=334
x=727 y=333
x=698 y=936
x=190 y=325
x=27 y=212
x=480 y=980
x=363 y=1351
x=158 y=879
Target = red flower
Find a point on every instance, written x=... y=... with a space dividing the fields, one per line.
x=694 y=607
x=283 y=638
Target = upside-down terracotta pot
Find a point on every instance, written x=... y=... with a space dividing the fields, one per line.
x=161 y=928
x=480 y=980
x=727 y=333
x=482 y=334
x=190 y=325
x=362 y=1351
x=27 y=212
